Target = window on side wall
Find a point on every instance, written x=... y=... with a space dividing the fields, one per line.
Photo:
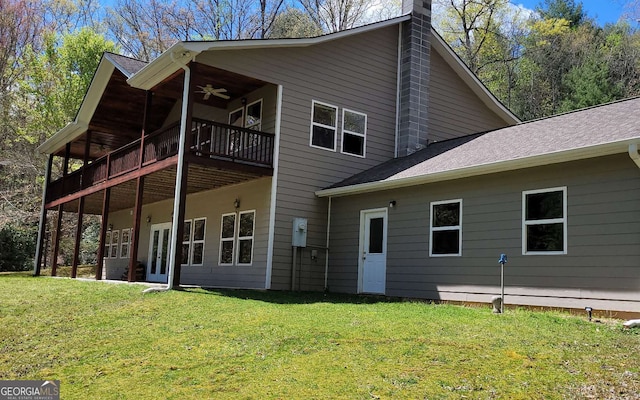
x=115 y=239
x=254 y=116
x=193 y=241
x=106 y=252
x=186 y=242
x=227 y=238
x=125 y=243
x=544 y=221
x=354 y=129
x=246 y=225
x=197 y=241
x=445 y=234
x=324 y=125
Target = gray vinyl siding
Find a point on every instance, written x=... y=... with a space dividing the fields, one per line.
x=253 y=195
x=454 y=110
x=357 y=72
x=600 y=270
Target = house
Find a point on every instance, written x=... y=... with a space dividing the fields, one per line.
x=560 y=196
x=346 y=161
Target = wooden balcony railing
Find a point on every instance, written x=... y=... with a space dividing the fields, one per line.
x=209 y=140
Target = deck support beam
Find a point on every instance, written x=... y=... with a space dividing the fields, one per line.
x=103 y=232
x=56 y=242
x=135 y=231
x=42 y=225
x=78 y=239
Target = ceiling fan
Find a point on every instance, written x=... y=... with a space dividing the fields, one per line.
x=209 y=90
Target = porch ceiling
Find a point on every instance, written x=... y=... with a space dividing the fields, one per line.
x=118 y=117
x=237 y=85
x=160 y=186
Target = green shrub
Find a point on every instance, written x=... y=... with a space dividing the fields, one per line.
x=17 y=247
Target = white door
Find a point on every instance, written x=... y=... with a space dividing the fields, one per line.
x=159 y=253
x=373 y=251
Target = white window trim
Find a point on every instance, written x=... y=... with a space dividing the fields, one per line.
x=562 y=220
x=362 y=135
x=232 y=239
x=188 y=241
x=246 y=115
x=127 y=243
x=239 y=238
x=107 y=246
x=115 y=234
x=242 y=119
x=193 y=241
x=445 y=228
x=335 y=128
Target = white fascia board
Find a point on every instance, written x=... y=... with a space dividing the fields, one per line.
x=460 y=68
x=484 y=169
x=85 y=113
x=163 y=66
x=62 y=137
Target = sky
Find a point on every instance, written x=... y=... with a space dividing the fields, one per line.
x=604 y=11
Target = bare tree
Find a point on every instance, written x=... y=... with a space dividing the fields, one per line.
x=338 y=15
x=146 y=28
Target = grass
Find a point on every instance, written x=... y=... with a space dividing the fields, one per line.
x=83 y=271
x=113 y=342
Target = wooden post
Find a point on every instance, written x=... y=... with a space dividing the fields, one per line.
x=65 y=166
x=76 y=247
x=103 y=232
x=56 y=242
x=135 y=231
x=42 y=226
x=85 y=159
x=145 y=120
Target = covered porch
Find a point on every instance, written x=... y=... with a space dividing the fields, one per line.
x=147 y=146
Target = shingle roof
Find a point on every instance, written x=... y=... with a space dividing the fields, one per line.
x=397 y=165
x=126 y=65
x=583 y=129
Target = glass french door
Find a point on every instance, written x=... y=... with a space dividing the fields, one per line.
x=158 y=263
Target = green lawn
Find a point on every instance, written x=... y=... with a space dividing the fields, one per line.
x=107 y=341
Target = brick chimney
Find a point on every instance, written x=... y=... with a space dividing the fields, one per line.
x=414 y=77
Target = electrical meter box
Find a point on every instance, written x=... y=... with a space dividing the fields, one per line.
x=299 y=234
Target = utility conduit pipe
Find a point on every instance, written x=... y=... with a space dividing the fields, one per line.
x=178 y=186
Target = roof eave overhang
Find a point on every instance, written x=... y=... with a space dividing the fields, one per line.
x=181 y=53
x=85 y=113
x=62 y=137
x=484 y=169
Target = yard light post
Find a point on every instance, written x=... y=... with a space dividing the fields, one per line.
x=502 y=261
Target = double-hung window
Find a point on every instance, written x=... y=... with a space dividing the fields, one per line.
x=125 y=243
x=354 y=129
x=186 y=241
x=246 y=225
x=237 y=238
x=445 y=234
x=115 y=239
x=254 y=116
x=544 y=221
x=227 y=238
x=197 y=241
x=324 y=125
x=193 y=241
x=106 y=252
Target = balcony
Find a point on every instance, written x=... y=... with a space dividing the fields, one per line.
x=212 y=143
